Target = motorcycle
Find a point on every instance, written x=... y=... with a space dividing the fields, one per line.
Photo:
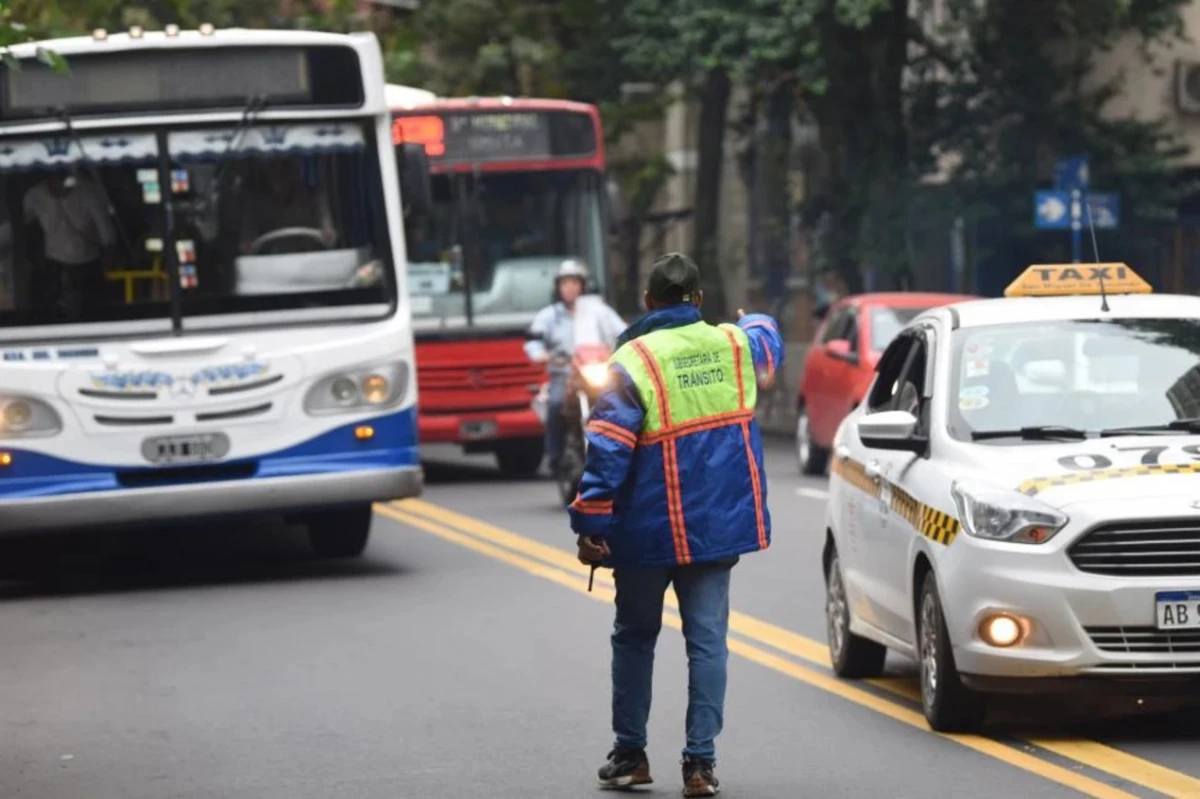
x=588 y=377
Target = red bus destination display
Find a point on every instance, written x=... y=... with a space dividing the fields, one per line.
x=490 y=136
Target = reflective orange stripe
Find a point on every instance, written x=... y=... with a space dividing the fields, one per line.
x=770 y=361
x=767 y=325
x=670 y=462
x=614 y=432
x=737 y=366
x=697 y=425
x=755 y=479
x=756 y=482
x=592 y=507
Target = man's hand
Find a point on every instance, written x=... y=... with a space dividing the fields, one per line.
x=592 y=550
x=741 y=313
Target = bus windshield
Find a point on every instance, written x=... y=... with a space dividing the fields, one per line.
x=285 y=217
x=502 y=236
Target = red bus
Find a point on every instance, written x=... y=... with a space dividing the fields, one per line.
x=518 y=186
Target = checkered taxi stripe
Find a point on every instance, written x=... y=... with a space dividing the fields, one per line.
x=930 y=522
x=855 y=474
x=1038 y=484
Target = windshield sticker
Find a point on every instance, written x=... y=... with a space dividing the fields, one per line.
x=978 y=367
x=973 y=391
x=180 y=183
x=972 y=403
x=977 y=350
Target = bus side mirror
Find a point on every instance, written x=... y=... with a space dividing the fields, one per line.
x=416 y=190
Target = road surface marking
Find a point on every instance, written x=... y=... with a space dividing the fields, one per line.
x=560 y=567
x=812 y=493
x=1093 y=754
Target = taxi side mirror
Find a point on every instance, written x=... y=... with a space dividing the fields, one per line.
x=891 y=430
x=841 y=349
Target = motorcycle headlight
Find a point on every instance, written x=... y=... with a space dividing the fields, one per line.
x=25 y=417
x=998 y=514
x=595 y=374
x=360 y=389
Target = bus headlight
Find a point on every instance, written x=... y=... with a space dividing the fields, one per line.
x=371 y=387
x=22 y=417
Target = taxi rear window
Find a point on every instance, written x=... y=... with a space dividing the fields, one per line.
x=1095 y=374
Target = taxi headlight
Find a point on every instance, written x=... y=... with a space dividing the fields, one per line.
x=25 y=417
x=595 y=374
x=370 y=387
x=997 y=514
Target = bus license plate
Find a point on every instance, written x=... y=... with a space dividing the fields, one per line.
x=474 y=431
x=186 y=449
x=1177 y=610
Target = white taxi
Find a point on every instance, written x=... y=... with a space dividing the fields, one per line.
x=1016 y=503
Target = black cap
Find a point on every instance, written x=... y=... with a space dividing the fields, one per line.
x=674 y=279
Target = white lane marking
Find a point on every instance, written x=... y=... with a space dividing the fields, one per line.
x=812 y=493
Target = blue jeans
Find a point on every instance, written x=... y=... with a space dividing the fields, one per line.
x=555 y=426
x=703 y=593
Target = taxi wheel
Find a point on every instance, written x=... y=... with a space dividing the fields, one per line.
x=948 y=704
x=853 y=657
x=341 y=533
x=813 y=459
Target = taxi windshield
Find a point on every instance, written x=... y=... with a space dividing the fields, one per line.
x=1111 y=374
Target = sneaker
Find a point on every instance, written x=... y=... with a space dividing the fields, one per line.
x=625 y=768
x=698 y=779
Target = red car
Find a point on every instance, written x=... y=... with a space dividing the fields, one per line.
x=840 y=364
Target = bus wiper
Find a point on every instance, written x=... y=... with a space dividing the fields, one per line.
x=1042 y=432
x=254 y=106
x=95 y=173
x=1189 y=425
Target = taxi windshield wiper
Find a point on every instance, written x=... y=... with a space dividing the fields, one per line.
x=1042 y=432
x=1189 y=425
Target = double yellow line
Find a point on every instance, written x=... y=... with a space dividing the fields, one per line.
x=561 y=567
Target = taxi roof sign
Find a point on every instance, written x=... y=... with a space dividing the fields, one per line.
x=1059 y=280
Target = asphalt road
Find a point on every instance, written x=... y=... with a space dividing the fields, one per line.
x=463 y=656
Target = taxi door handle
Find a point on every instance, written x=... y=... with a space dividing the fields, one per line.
x=872 y=470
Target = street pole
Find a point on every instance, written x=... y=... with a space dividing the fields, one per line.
x=1076 y=225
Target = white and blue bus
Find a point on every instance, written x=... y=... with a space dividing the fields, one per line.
x=203 y=302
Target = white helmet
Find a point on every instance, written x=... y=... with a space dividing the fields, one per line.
x=572 y=267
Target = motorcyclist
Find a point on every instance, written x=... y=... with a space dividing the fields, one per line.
x=573 y=318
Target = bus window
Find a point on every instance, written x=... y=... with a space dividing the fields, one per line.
x=81 y=239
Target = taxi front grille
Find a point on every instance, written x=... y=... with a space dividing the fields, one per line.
x=1147 y=641
x=1156 y=548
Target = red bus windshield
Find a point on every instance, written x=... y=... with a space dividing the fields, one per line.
x=515 y=193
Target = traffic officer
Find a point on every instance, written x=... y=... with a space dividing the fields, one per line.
x=674 y=492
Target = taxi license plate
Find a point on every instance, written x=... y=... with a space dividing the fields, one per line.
x=1177 y=610
x=473 y=431
x=186 y=449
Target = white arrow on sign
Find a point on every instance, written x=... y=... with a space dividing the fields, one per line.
x=1052 y=209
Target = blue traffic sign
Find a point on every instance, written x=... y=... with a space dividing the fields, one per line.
x=1072 y=173
x=1052 y=210
x=1105 y=209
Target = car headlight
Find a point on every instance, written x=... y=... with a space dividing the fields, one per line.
x=594 y=374
x=997 y=514
x=360 y=389
x=25 y=417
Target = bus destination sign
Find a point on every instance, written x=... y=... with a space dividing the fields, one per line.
x=492 y=136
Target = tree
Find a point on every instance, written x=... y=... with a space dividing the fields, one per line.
x=1019 y=90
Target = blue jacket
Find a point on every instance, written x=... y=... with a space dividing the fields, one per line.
x=674 y=471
